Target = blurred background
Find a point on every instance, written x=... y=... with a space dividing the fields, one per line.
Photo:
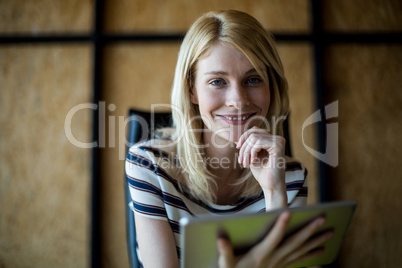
x=70 y=70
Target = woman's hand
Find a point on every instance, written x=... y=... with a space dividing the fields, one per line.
x=264 y=154
x=275 y=250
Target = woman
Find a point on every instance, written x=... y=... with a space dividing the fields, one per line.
x=225 y=154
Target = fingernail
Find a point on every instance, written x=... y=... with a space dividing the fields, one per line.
x=329 y=235
x=286 y=215
x=320 y=221
x=222 y=234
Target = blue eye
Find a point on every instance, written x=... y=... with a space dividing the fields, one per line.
x=253 y=80
x=217 y=82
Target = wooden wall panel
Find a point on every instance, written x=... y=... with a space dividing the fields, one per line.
x=135 y=76
x=298 y=64
x=44 y=179
x=178 y=15
x=45 y=16
x=362 y=15
x=367 y=82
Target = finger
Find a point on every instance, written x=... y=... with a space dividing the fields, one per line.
x=276 y=145
x=255 y=150
x=312 y=245
x=242 y=150
x=296 y=240
x=247 y=148
x=243 y=138
x=255 y=140
x=307 y=256
x=226 y=256
x=272 y=143
x=274 y=237
x=256 y=146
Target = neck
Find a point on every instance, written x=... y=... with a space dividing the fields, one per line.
x=222 y=156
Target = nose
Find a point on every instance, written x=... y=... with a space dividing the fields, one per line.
x=237 y=97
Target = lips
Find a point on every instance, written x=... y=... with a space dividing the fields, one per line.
x=237 y=119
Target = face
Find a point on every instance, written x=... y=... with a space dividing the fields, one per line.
x=232 y=97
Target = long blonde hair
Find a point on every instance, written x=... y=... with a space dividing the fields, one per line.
x=248 y=35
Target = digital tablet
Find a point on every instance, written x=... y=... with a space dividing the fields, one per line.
x=199 y=235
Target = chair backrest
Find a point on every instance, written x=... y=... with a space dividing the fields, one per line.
x=142 y=125
x=286 y=135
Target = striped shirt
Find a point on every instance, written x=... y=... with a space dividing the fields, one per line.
x=152 y=170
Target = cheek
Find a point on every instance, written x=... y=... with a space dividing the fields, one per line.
x=208 y=102
x=262 y=100
x=206 y=107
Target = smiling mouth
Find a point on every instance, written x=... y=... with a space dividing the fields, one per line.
x=238 y=118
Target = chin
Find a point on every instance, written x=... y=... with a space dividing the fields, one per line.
x=224 y=137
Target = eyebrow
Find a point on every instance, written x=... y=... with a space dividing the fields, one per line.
x=252 y=70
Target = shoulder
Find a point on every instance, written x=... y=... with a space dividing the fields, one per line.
x=152 y=161
x=153 y=149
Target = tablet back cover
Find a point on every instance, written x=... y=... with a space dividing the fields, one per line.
x=199 y=235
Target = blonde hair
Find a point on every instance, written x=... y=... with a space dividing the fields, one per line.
x=248 y=35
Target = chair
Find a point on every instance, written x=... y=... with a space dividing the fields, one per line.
x=142 y=125
x=286 y=135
